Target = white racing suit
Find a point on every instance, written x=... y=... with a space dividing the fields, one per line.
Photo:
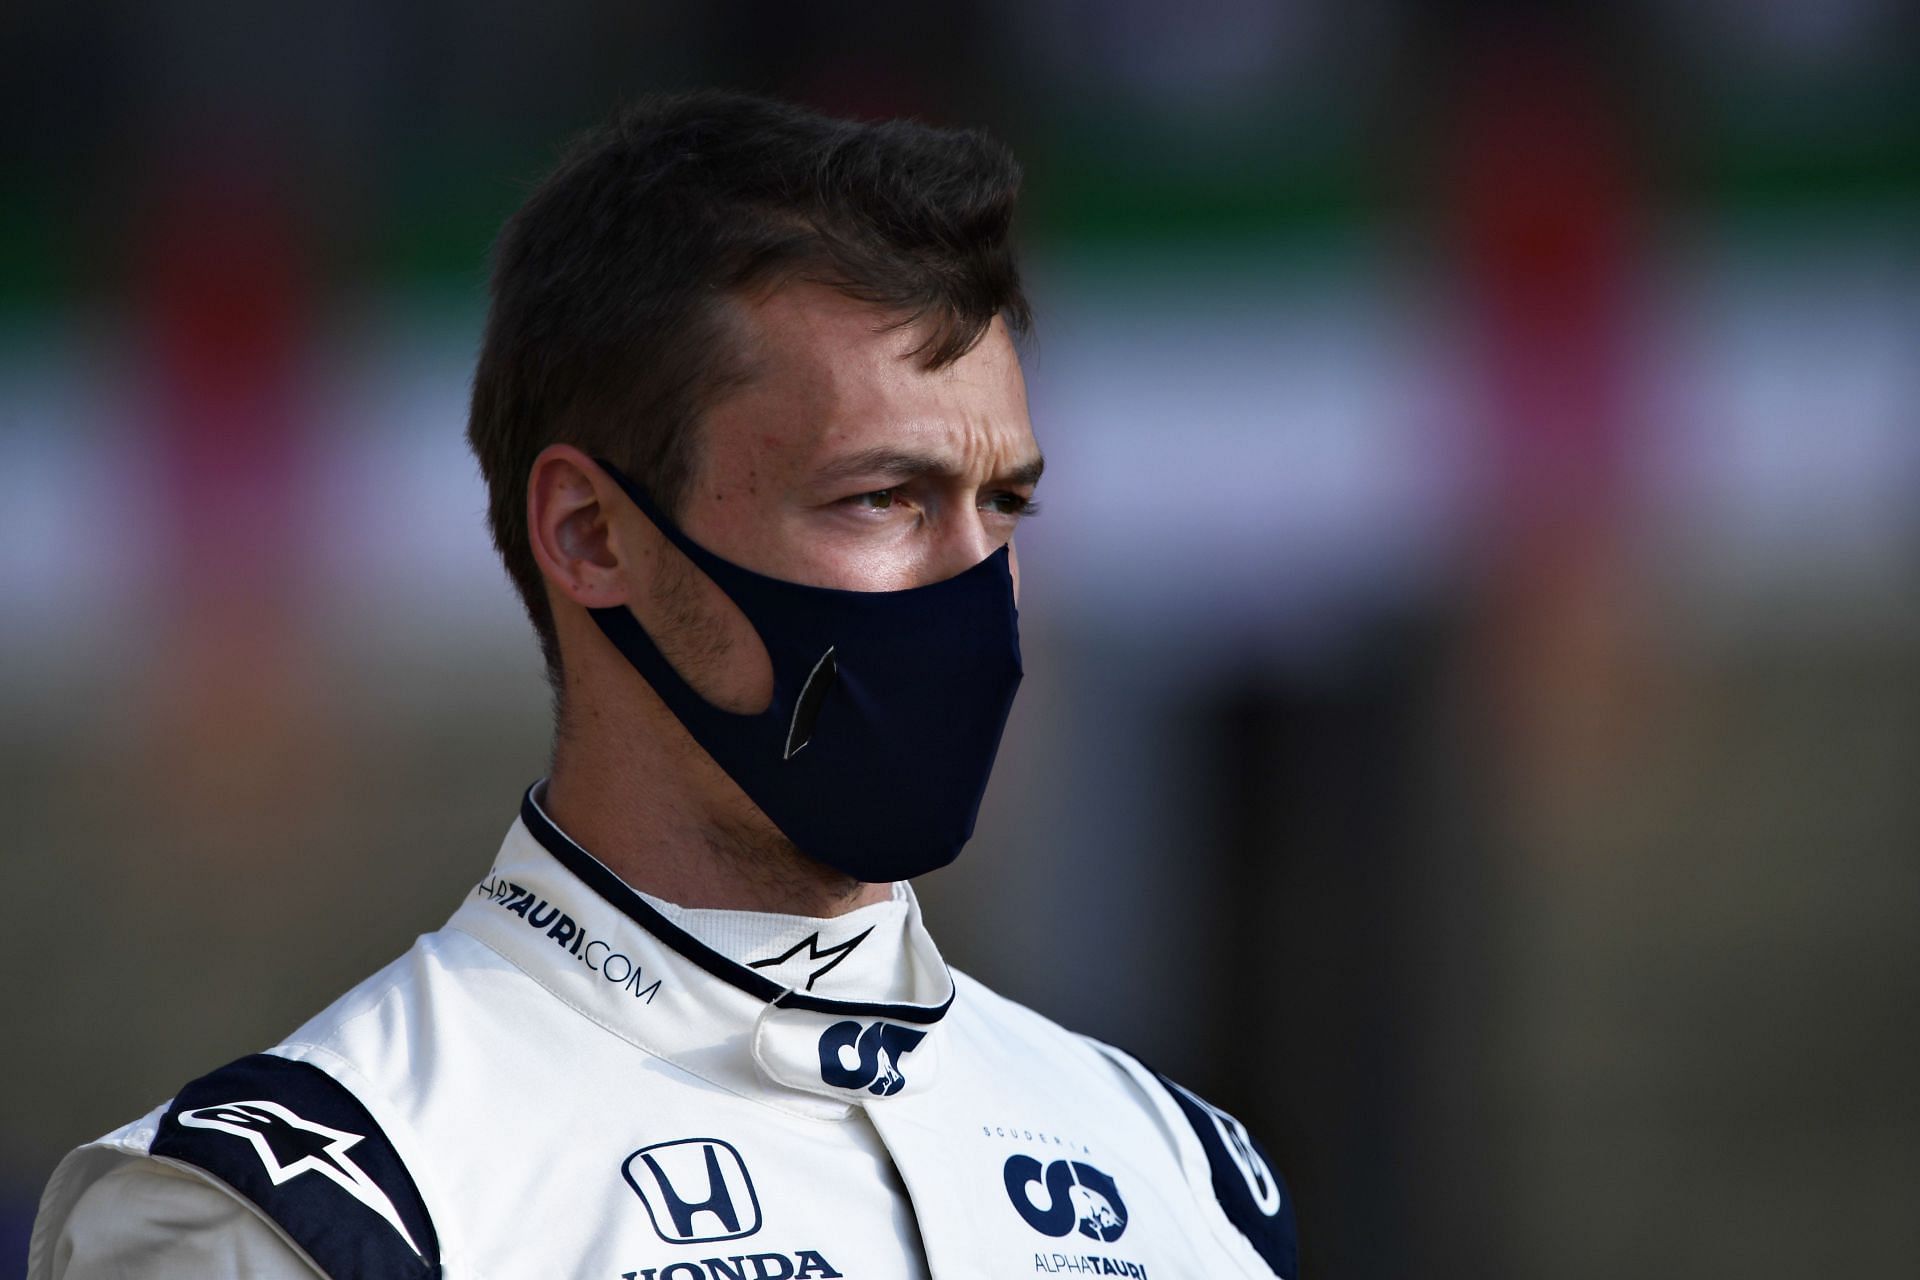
x=574 y=1079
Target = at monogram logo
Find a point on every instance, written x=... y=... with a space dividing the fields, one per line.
x=1077 y=1196
x=857 y=1057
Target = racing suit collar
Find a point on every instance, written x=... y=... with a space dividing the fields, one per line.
x=555 y=911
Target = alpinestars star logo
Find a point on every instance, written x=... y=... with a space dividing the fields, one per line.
x=833 y=955
x=289 y=1146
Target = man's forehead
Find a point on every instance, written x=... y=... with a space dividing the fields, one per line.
x=813 y=334
x=795 y=319
x=834 y=387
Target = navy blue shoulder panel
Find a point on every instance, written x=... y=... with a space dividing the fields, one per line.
x=294 y=1141
x=1244 y=1181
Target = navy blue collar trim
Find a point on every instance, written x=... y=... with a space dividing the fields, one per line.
x=620 y=895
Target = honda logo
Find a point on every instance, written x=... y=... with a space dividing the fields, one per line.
x=696 y=1190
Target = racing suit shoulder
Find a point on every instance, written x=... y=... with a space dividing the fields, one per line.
x=127 y=1214
x=268 y=1158
x=1231 y=1178
x=1237 y=1170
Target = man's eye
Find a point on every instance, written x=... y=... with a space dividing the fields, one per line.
x=1012 y=504
x=878 y=500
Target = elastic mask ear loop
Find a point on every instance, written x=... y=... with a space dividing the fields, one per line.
x=670 y=529
x=622 y=626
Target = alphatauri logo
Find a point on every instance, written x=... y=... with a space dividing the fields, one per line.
x=696 y=1190
x=867 y=1057
x=1075 y=1195
x=290 y=1145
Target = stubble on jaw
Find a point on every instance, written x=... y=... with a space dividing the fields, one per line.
x=758 y=852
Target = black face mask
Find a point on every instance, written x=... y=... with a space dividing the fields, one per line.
x=887 y=706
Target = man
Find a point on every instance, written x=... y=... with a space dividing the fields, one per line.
x=757 y=442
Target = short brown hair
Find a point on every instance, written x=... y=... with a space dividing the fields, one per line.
x=609 y=328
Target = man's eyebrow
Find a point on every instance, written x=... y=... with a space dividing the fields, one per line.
x=1027 y=473
x=905 y=464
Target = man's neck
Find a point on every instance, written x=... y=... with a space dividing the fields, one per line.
x=668 y=822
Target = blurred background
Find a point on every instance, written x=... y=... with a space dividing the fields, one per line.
x=1472 y=726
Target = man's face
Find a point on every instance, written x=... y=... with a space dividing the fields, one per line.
x=841 y=463
x=845 y=464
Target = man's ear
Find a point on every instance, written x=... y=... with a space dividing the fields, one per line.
x=573 y=538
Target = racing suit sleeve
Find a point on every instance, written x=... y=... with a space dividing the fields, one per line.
x=148 y=1221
